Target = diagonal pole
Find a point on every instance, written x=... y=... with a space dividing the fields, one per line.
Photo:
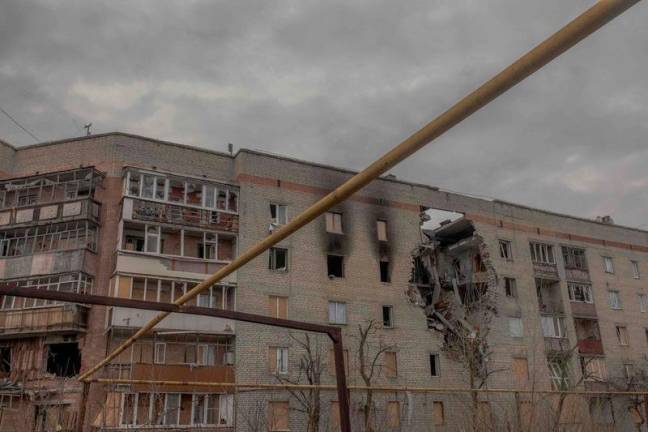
x=582 y=26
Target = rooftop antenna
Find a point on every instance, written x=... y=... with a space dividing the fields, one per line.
x=230 y=148
x=87 y=128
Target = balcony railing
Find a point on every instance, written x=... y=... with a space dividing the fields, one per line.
x=545 y=270
x=150 y=211
x=590 y=346
x=86 y=208
x=55 y=318
x=174 y=372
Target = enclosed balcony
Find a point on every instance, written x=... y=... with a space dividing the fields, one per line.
x=41 y=214
x=55 y=318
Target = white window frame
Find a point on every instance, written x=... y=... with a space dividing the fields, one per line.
x=281 y=214
x=512 y=286
x=159 y=355
x=614 y=300
x=516 y=327
x=643 y=303
x=273 y=259
x=381 y=228
x=608 y=264
x=337 y=312
x=553 y=326
x=586 y=289
x=558 y=374
x=334 y=222
x=506 y=248
x=156 y=236
x=168 y=409
x=622 y=335
x=542 y=253
x=594 y=369
x=282 y=361
x=636 y=274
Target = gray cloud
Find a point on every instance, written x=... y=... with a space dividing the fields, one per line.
x=341 y=82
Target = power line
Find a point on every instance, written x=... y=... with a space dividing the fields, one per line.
x=19 y=125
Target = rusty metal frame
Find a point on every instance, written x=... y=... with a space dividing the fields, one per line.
x=334 y=333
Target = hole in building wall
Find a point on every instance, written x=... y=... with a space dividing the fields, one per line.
x=335 y=265
x=64 y=359
x=5 y=359
x=434 y=218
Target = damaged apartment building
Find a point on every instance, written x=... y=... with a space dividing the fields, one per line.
x=460 y=292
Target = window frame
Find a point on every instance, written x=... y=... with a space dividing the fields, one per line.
x=615 y=294
x=334 y=222
x=338 y=306
x=636 y=273
x=587 y=294
x=277 y=219
x=390 y=320
x=609 y=269
x=542 y=253
x=517 y=330
x=505 y=249
x=272 y=259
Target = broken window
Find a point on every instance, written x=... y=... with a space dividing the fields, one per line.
x=642 y=302
x=387 y=315
x=226 y=247
x=5 y=359
x=128 y=409
x=381 y=227
x=510 y=287
x=64 y=359
x=574 y=258
x=278 y=306
x=628 y=371
x=176 y=191
x=278 y=259
x=384 y=271
x=559 y=375
x=334 y=222
x=515 y=327
x=194 y=193
x=434 y=365
x=580 y=292
x=278 y=214
x=337 y=312
x=542 y=253
x=152 y=239
x=506 y=250
x=278 y=416
x=391 y=364
x=622 y=335
x=335 y=266
x=608 y=264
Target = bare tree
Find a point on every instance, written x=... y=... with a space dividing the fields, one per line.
x=369 y=355
x=311 y=366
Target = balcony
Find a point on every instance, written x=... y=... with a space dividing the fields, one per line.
x=56 y=318
x=151 y=211
x=544 y=270
x=583 y=309
x=590 y=346
x=556 y=344
x=184 y=373
x=40 y=214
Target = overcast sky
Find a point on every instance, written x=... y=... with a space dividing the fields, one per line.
x=340 y=82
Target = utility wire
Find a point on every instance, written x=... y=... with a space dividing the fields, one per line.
x=19 y=125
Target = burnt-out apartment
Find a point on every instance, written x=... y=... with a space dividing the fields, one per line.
x=431 y=289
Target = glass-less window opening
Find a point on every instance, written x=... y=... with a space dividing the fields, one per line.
x=54 y=187
x=65 y=236
x=79 y=283
x=179 y=190
x=185 y=242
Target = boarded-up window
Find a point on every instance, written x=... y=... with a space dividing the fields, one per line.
x=278 y=416
x=332 y=362
x=438 y=415
x=526 y=412
x=334 y=222
x=393 y=414
x=521 y=369
x=381 y=227
x=484 y=415
x=124 y=287
x=334 y=416
x=391 y=365
x=278 y=306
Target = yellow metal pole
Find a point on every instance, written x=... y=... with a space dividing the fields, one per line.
x=581 y=27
